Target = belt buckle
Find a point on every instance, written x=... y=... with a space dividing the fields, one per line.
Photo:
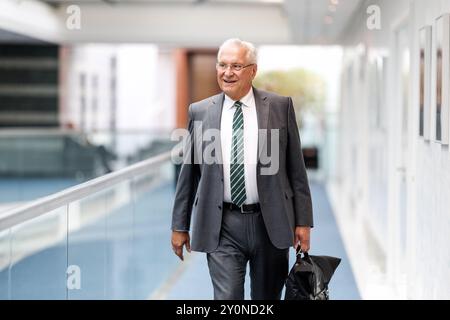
x=243 y=211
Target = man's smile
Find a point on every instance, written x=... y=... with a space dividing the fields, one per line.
x=229 y=81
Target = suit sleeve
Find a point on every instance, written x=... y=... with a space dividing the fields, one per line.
x=297 y=173
x=187 y=183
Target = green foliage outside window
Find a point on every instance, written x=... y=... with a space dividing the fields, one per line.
x=306 y=88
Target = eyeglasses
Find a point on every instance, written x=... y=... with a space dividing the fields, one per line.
x=234 y=66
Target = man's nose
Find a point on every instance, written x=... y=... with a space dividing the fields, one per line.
x=228 y=71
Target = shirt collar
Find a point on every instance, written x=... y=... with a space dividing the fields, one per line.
x=246 y=100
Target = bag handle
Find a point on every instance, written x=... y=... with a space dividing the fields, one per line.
x=299 y=252
x=298 y=249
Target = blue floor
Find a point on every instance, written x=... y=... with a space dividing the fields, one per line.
x=195 y=282
x=128 y=256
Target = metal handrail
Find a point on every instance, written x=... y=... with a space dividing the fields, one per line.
x=46 y=204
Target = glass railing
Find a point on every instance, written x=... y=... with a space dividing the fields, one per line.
x=107 y=238
x=38 y=162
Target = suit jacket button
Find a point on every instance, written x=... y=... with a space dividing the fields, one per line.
x=220 y=207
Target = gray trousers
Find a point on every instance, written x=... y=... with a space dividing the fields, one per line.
x=244 y=239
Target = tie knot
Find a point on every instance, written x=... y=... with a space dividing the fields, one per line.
x=238 y=104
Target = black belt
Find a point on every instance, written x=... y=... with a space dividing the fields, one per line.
x=245 y=208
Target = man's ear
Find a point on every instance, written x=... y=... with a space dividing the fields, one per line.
x=255 y=70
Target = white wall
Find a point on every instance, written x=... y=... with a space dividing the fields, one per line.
x=391 y=194
x=90 y=109
x=92 y=61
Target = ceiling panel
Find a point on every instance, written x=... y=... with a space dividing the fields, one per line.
x=305 y=21
x=319 y=21
x=153 y=2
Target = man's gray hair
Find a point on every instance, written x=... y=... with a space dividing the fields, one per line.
x=252 y=54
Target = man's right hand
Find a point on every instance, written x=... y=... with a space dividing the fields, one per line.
x=179 y=239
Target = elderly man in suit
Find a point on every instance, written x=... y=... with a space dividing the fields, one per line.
x=242 y=212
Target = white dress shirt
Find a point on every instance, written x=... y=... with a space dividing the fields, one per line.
x=250 y=145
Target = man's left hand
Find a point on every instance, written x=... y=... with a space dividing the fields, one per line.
x=302 y=234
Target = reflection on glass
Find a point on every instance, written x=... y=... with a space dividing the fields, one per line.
x=87 y=245
x=154 y=259
x=5 y=258
x=119 y=242
x=39 y=257
x=39 y=162
x=119 y=238
x=112 y=244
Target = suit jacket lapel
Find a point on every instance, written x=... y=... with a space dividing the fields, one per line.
x=214 y=119
x=262 y=112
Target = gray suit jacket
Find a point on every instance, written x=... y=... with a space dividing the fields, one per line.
x=284 y=196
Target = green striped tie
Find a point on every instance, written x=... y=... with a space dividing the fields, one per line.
x=237 y=177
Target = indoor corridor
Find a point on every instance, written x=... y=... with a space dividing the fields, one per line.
x=127 y=255
x=93 y=95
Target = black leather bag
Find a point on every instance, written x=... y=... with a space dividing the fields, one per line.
x=309 y=277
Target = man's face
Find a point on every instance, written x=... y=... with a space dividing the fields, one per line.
x=235 y=84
